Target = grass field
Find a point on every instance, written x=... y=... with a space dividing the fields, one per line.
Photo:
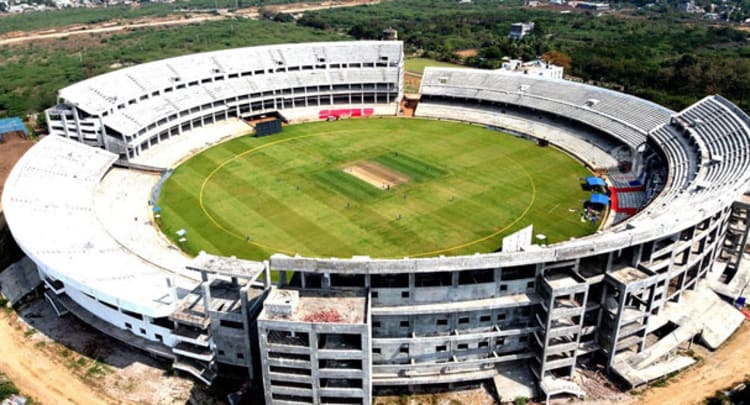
x=468 y=187
x=417 y=65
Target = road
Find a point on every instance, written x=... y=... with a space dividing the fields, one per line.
x=106 y=27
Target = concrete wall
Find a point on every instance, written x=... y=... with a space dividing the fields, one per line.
x=304 y=369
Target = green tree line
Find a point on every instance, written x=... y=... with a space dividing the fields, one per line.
x=662 y=57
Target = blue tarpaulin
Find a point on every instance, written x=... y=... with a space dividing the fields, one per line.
x=13 y=124
x=599 y=199
x=594 y=181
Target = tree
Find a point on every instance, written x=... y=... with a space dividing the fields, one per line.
x=558 y=58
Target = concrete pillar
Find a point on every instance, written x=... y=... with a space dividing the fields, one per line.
x=266 y=274
x=172 y=289
x=314 y=365
x=262 y=342
x=454 y=283
x=206 y=296
x=246 y=335
x=600 y=314
x=412 y=287
x=498 y=279
x=636 y=260
x=103 y=133
x=615 y=336
x=580 y=329
x=77 y=121
x=548 y=326
x=649 y=308
x=64 y=118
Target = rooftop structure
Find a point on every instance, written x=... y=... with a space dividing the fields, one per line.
x=534 y=68
x=346 y=307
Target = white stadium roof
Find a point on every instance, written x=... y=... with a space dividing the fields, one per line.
x=103 y=92
x=49 y=205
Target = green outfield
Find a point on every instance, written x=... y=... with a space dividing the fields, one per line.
x=319 y=189
x=417 y=65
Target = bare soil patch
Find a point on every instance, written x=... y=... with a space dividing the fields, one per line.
x=376 y=175
x=114 y=26
x=468 y=396
x=716 y=370
x=466 y=53
x=64 y=361
x=411 y=82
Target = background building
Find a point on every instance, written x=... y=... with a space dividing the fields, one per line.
x=520 y=30
x=536 y=67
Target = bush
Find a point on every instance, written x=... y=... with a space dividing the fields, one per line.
x=7 y=388
x=521 y=401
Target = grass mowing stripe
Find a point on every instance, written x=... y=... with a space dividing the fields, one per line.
x=346 y=185
x=473 y=189
x=416 y=169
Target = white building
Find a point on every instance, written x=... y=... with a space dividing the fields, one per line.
x=690 y=8
x=520 y=30
x=536 y=67
x=586 y=5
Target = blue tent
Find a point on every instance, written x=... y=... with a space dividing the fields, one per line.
x=599 y=199
x=594 y=181
x=12 y=125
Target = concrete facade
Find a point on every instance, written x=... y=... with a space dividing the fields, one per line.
x=315 y=347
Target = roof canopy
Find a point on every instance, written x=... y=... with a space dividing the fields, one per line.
x=13 y=124
x=595 y=181
x=599 y=199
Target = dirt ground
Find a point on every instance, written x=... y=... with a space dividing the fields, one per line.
x=717 y=370
x=411 y=82
x=470 y=396
x=376 y=175
x=10 y=151
x=63 y=361
x=466 y=53
x=17 y=37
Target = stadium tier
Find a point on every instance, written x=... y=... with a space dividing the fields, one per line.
x=131 y=109
x=624 y=117
x=336 y=330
